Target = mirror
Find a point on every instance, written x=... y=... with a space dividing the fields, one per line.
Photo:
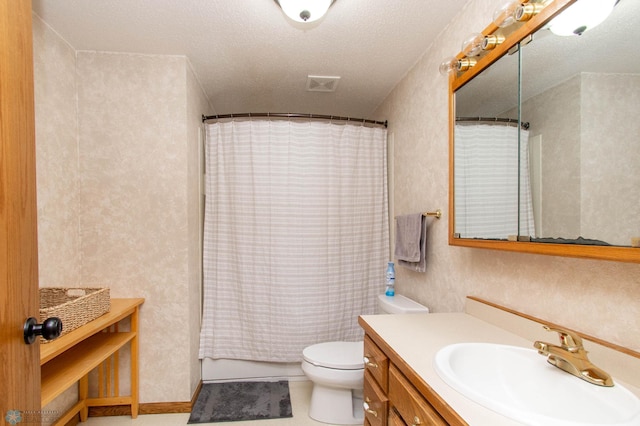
x=577 y=152
x=486 y=152
x=580 y=95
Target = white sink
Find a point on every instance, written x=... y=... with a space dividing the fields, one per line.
x=519 y=383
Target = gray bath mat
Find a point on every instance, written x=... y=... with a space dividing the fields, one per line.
x=235 y=401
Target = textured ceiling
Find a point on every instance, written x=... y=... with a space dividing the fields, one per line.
x=250 y=58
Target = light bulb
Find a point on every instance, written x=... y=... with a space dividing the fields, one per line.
x=305 y=10
x=472 y=45
x=581 y=16
x=448 y=65
x=504 y=15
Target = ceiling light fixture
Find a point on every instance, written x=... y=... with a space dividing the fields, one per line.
x=305 y=10
x=581 y=16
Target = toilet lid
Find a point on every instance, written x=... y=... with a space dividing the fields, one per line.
x=339 y=355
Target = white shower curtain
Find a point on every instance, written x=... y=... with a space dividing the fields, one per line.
x=486 y=182
x=295 y=237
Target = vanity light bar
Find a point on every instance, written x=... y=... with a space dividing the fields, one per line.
x=576 y=17
x=504 y=16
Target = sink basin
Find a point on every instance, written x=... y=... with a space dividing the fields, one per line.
x=519 y=383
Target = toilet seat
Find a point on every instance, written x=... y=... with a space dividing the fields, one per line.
x=337 y=355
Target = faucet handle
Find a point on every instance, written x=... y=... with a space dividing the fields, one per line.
x=570 y=340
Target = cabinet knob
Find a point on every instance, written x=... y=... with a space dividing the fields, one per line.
x=367 y=409
x=368 y=363
x=416 y=421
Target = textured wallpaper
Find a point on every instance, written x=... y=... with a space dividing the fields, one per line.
x=596 y=297
x=134 y=168
x=582 y=121
x=197 y=105
x=613 y=99
x=133 y=193
x=56 y=169
x=56 y=159
x=118 y=191
x=555 y=116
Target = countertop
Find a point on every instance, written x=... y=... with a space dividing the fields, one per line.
x=416 y=338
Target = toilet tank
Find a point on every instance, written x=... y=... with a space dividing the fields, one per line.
x=400 y=304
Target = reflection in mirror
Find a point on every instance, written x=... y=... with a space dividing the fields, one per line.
x=581 y=95
x=488 y=144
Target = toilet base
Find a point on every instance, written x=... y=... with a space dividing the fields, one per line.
x=336 y=406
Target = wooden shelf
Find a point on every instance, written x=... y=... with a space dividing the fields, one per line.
x=68 y=368
x=68 y=360
x=120 y=309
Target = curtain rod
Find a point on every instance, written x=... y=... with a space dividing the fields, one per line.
x=524 y=124
x=289 y=115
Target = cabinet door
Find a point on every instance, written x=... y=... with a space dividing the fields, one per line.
x=376 y=404
x=411 y=406
x=395 y=419
x=376 y=363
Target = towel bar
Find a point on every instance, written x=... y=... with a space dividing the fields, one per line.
x=437 y=214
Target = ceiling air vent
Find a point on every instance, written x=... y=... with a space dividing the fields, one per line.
x=322 y=83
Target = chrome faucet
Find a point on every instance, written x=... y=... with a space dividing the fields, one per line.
x=571 y=357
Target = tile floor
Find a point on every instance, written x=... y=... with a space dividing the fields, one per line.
x=300 y=392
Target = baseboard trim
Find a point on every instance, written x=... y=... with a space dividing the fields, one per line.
x=147 y=407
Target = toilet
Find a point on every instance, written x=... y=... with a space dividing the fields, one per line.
x=337 y=370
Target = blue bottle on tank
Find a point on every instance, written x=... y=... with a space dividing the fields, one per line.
x=391 y=280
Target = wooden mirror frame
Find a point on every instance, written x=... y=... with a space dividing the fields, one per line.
x=456 y=81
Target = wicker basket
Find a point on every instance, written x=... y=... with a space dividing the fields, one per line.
x=74 y=306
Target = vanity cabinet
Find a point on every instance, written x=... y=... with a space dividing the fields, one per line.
x=408 y=403
x=390 y=398
x=395 y=419
x=402 y=349
x=376 y=378
x=376 y=403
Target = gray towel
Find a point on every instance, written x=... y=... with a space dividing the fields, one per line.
x=411 y=241
x=408 y=231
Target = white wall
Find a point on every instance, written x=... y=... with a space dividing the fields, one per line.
x=600 y=298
